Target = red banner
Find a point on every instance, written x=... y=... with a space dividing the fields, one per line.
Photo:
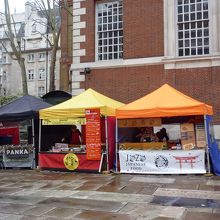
x=93 y=134
x=48 y=160
x=12 y=132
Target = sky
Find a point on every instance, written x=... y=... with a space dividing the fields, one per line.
x=14 y=4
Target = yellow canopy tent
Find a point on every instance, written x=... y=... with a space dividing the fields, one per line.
x=75 y=107
x=163 y=102
x=72 y=111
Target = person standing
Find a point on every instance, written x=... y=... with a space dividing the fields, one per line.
x=162 y=135
x=73 y=136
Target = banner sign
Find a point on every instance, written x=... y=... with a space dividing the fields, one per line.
x=17 y=152
x=67 y=121
x=162 y=162
x=93 y=134
x=9 y=135
x=48 y=160
x=139 y=122
x=71 y=161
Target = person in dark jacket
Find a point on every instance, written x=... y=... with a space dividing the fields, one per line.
x=162 y=135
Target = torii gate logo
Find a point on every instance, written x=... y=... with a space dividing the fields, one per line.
x=186 y=160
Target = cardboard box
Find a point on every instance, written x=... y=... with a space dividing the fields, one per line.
x=188 y=139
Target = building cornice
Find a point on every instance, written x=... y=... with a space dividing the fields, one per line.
x=168 y=62
x=119 y=63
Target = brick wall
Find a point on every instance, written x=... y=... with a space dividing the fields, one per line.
x=89 y=31
x=126 y=84
x=131 y=83
x=143 y=28
x=199 y=83
x=143 y=37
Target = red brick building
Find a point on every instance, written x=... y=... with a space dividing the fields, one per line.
x=126 y=49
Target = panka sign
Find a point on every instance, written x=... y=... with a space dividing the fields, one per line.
x=93 y=134
x=17 y=153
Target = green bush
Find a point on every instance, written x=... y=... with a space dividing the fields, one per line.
x=7 y=99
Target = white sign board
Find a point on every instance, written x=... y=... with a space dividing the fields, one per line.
x=162 y=162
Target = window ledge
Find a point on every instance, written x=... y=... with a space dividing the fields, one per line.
x=191 y=62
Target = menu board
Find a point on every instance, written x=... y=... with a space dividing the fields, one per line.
x=93 y=134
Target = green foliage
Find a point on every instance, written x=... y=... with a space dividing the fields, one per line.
x=6 y=99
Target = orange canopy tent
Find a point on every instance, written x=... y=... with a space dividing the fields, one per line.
x=163 y=102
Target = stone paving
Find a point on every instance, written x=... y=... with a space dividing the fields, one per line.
x=44 y=195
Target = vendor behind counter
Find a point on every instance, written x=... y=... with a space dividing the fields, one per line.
x=52 y=134
x=73 y=136
x=147 y=135
x=162 y=135
x=143 y=138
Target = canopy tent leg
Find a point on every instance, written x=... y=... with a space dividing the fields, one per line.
x=33 y=142
x=207 y=146
x=33 y=134
x=39 y=136
x=106 y=142
x=101 y=162
x=116 y=145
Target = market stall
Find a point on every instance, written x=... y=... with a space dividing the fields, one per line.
x=18 y=133
x=94 y=114
x=172 y=134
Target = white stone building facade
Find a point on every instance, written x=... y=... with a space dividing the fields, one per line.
x=36 y=50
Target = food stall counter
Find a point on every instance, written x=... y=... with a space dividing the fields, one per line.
x=59 y=161
x=142 y=146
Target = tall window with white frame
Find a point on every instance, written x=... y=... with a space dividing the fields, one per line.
x=30 y=74
x=41 y=74
x=109 y=30
x=193 y=27
x=30 y=57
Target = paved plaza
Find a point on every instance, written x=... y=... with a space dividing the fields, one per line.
x=39 y=195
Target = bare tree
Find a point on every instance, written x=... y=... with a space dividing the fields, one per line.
x=51 y=10
x=15 y=44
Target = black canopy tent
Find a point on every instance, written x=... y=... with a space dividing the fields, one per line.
x=57 y=96
x=26 y=107
x=21 y=109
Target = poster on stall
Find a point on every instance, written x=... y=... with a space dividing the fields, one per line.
x=93 y=134
x=162 y=162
